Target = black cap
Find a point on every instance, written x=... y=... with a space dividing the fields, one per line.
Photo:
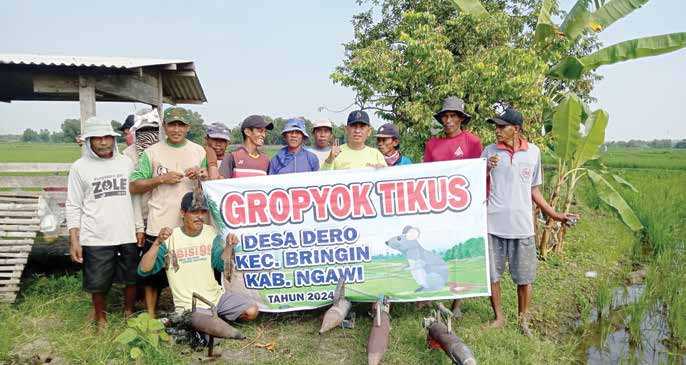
x=509 y=116
x=256 y=121
x=187 y=203
x=127 y=124
x=388 y=130
x=358 y=116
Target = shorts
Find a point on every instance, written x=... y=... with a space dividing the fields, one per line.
x=103 y=265
x=157 y=280
x=518 y=253
x=231 y=306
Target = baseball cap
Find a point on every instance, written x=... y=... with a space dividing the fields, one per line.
x=508 y=116
x=295 y=125
x=358 y=116
x=256 y=121
x=177 y=114
x=388 y=130
x=187 y=203
x=128 y=123
x=322 y=124
x=218 y=130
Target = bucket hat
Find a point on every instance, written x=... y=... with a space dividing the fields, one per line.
x=453 y=104
x=96 y=127
x=295 y=125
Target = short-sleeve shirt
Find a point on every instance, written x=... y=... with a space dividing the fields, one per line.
x=165 y=201
x=510 y=206
x=197 y=256
x=239 y=163
x=355 y=159
x=464 y=145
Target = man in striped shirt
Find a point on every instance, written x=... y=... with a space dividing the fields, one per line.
x=248 y=160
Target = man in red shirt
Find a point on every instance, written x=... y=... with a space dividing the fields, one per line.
x=247 y=159
x=456 y=143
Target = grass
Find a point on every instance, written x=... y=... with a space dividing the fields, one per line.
x=54 y=308
x=664 y=159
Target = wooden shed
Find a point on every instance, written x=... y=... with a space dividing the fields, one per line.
x=72 y=78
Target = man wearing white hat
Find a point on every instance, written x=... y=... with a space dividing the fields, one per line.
x=101 y=218
x=322 y=131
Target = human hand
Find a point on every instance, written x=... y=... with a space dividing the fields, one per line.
x=76 y=252
x=231 y=239
x=193 y=173
x=493 y=161
x=171 y=178
x=164 y=235
x=376 y=165
x=568 y=219
x=335 y=151
x=140 y=239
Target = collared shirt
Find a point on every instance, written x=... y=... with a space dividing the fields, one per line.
x=355 y=159
x=165 y=200
x=510 y=206
x=239 y=163
x=464 y=145
x=285 y=162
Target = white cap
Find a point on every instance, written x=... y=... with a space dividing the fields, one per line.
x=322 y=123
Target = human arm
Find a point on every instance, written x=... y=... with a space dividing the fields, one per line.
x=142 y=179
x=538 y=198
x=226 y=167
x=153 y=260
x=335 y=151
x=137 y=202
x=219 y=246
x=73 y=209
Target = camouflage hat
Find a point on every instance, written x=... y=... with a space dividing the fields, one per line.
x=177 y=115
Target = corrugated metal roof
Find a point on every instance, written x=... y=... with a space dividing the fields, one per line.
x=180 y=81
x=79 y=61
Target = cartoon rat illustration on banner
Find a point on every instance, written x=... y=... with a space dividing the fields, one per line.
x=427 y=268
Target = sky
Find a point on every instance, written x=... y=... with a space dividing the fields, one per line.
x=275 y=57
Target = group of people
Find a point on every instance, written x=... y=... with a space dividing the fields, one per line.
x=136 y=218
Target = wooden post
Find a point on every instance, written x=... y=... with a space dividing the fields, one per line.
x=160 y=97
x=86 y=101
x=86 y=98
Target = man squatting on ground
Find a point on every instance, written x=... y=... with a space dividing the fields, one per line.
x=197 y=250
x=247 y=160
x=293 y=157
x=168 y=169
x=97 y=191
x=514 y=177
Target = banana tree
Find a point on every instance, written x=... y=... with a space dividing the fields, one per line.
x=580 y=18
x=574 y=151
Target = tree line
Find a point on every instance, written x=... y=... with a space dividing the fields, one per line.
x=71 y=128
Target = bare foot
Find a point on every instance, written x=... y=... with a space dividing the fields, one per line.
x=523 y=323
x=497 y=323
x=101 y=326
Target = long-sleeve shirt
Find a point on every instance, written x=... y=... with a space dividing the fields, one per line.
x=98 y=200
x=285 y=162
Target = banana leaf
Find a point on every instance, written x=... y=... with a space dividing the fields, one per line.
x=577 y=20
x=471 y=7
x=611 y=197
x=594 y=138
x=545 y=27
x=613 y=11
x=571 y=68
x=621 y=180
x=635 y=48
x=566 y=121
